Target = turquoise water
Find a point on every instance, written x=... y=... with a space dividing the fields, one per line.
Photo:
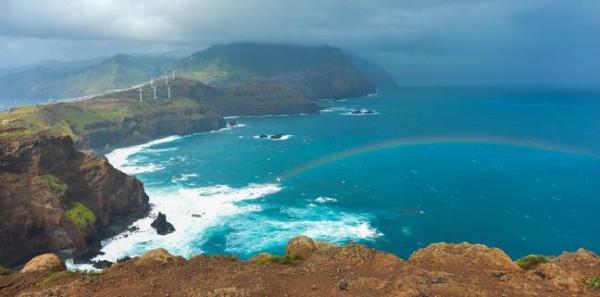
x=516 y=169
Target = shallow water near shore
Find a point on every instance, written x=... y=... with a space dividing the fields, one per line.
x=517 y=169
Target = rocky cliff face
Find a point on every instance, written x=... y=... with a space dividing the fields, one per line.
x=313 y=268
x=55 y=198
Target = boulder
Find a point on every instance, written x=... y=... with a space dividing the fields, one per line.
x=231 y=122
x=262 y=257
x=156 y=256
x=161 y=225
x=263 y=136
x=44 y=263
x=446 y=257
x=303 y=246
x=277 y=136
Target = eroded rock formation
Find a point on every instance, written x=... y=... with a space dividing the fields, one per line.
x=54 y=198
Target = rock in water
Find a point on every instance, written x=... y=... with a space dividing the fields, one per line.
x=263 y=136
x=277 y=136
x=123 y=259
x=161 y=225
x=102 y=264
x=231 y=123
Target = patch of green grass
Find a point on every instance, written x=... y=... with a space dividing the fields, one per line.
x=594 y=283
x=4 y=271
x=56 y=276
x=280 y=259
x=55 y=183
x=80 y=215
x=532 y=261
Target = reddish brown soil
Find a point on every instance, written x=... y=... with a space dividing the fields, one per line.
x=438 y=270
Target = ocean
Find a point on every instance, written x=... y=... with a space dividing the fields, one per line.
x=517 y=169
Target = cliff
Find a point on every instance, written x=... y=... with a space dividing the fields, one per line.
x=55 y=198
x=312 y=268
x=102 y=123
x=250 y=98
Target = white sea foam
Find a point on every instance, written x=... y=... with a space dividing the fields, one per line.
x=255 y=233
x=184 y=177
x=324 y=199
x=363 y=112
x=191 y=211
x=119 y=158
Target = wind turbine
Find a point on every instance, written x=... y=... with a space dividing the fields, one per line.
x=141 y=99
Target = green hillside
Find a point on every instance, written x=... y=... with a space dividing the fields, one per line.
x=316 y=72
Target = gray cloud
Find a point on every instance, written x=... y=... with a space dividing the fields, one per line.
x=420 y=41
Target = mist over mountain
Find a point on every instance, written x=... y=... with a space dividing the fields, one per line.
x=299 y=66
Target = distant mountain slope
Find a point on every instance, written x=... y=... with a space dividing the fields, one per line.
x=316 y=72
x=376 y=73
x=63 y=80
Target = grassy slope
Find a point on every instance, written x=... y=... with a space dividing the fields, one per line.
x=76 y=118
x=303 y=67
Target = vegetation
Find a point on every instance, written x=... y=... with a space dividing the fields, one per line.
x=532 y=261
x=594 y=283
x=4 y=271
x=291 y=259
x=79 y=118
x=80 y=215
x=55 y=183
x=56 y=276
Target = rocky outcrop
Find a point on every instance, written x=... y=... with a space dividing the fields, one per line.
x=54 y=198
x=175 y=117
x=44 y=263
x=156 y=256
x=161 y=225
x=457 y=270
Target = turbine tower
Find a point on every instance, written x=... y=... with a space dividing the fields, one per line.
x=154 y=89
x=169 y=92
x=173 y=72
x=141 y=99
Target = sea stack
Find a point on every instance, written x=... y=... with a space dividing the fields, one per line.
x=161 y=225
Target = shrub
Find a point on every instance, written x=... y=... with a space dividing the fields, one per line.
x=532 y=261
x=55 y=183
x=279 y=259
x=4 y=271
x=80 y=215
x=594 y=283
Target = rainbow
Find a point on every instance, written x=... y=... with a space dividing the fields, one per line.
x=443 y=139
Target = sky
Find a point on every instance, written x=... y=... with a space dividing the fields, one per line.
x=420 y=42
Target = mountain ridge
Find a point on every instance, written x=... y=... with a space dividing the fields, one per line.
x=247 y=61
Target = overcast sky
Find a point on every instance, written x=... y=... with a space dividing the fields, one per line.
x=551 y=42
